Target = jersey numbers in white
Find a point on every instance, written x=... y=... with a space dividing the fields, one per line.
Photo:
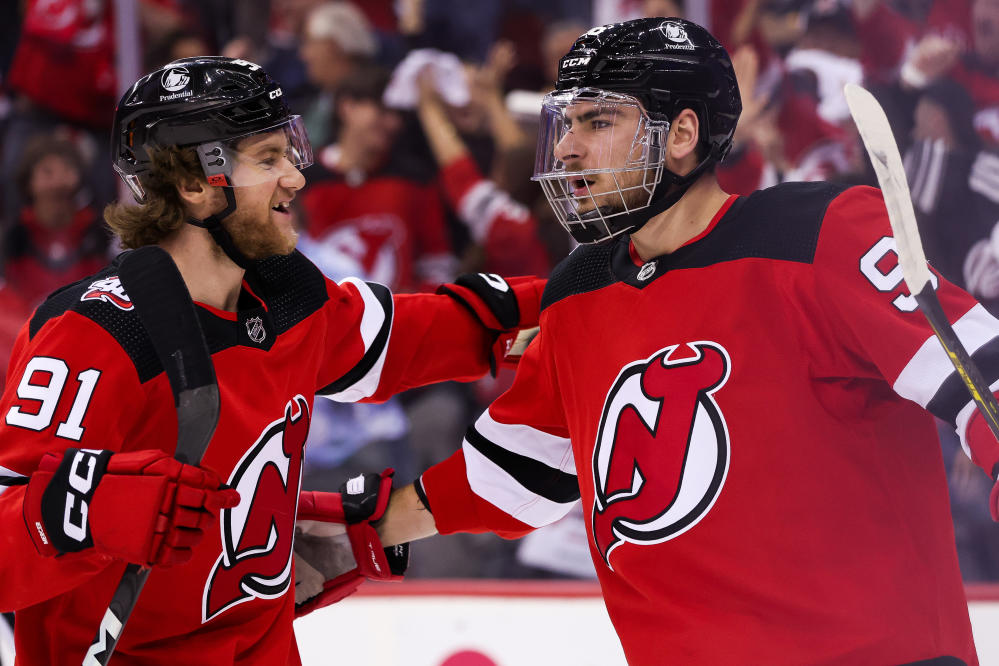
x=48 y=393
x=891 y=280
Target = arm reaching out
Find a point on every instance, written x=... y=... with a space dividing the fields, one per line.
x=406 y=519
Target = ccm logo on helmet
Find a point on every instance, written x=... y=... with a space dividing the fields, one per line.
x=575 y=62
x=274 y=94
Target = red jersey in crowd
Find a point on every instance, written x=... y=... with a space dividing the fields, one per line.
x=39 y=260
x=391 y=225
x=503 y=226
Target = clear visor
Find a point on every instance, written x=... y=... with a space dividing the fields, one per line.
x=599 y=154
x=251 y=159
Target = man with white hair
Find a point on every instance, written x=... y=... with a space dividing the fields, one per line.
x=337 y=38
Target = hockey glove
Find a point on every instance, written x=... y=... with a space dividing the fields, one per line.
x=508 y=308
x=981 y=444
x=336 y=546
x=145 y=507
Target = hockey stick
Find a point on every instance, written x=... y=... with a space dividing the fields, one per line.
x=163 y=305
x=880 y=144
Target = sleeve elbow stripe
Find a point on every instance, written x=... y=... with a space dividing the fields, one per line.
x=376 y=325
x=953 y=394
x=9 y=477
x=929 y=378
x=968 y=410
x=483 y=204
x=528 y=442
x=523 y=487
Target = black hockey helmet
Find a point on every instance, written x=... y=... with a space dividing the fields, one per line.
x=666 y=65
x=198 y=101
x=207 y=103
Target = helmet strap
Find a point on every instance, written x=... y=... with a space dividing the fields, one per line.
x=213 y=224
x=663 y=200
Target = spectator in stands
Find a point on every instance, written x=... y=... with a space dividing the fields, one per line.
x=943 y=148
x=58 y=238
x=503 y=228
x=373 y=203
x=783 y=135
x=175 y=45
x=14 y=311
x=336 y=41
x=62 y=74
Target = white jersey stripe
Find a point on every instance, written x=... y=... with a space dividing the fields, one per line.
x=490 y=482
x=964 y=416
x=529 y=442
x=471 y=209
x=8 y=474
x=922 y=376
x=372 y=322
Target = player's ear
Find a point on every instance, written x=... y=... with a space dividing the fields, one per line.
x=194 y=192
x=683 y=137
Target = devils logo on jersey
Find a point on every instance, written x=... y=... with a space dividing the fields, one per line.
x=257 y=535
x=662 y=449
x=110 y=291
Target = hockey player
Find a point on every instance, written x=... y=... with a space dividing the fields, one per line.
x=738 y=389
x=88 y=480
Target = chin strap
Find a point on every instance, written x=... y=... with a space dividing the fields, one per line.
x=213 y=224
x=666 y=200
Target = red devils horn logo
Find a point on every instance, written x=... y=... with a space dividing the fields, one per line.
x=257 y=535
x=662 y=449
x=110 y=291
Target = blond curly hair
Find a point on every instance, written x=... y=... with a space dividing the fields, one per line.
x=163 y=212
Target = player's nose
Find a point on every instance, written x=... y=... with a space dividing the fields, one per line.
x=568 y=149
x=292 y=178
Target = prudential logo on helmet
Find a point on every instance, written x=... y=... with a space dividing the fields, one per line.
x=675 y=33
x=175 y=79
x=677 y=36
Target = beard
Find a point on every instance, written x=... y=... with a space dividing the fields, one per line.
x=258 y=239
x=614 y=196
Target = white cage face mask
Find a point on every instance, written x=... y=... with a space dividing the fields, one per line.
x=599 y=156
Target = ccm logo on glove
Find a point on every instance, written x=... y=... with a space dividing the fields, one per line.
x=69 y=496
x=143 y=507
x=81 y=482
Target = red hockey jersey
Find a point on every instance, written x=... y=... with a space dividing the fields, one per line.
x=744 y=422
x=389 y=223
x=83 y=374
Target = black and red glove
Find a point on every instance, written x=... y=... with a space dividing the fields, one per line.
x=510 y=308
x=144 y=507
x=336 y=545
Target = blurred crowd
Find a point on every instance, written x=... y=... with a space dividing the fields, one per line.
x=423 y=119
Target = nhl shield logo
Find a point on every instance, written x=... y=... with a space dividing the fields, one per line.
x=255 y=329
